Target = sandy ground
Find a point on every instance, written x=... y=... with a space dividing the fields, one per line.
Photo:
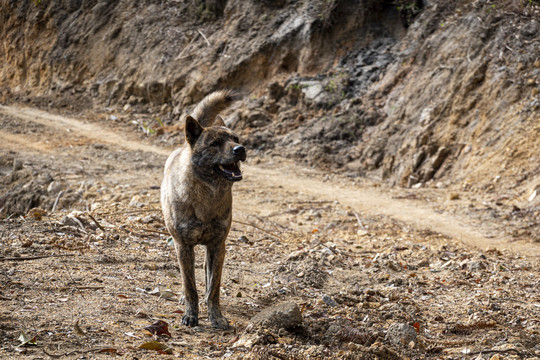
x=84 y=280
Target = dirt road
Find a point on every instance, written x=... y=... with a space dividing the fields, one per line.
x=382 y=256
x=363 y=198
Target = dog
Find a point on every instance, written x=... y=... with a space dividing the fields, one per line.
x=196 y=199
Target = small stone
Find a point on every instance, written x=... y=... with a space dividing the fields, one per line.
x=423 y=263
x=246 y=340
x=477 y=265
x=401 y=334
x=533 y=195
x=243 y=239
x=17 y=165
x=285 y=315
x=296 y=254
x=329 y=301
x=147 y=219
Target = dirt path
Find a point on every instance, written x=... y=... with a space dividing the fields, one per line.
x=294 y=179
x=374 y=202
x=81 y=288
x=88 y=130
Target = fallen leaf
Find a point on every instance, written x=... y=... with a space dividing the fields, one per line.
x=26 y=340
x=156 y=346
x=160 y=327
x=78 y=329
x=416 y=325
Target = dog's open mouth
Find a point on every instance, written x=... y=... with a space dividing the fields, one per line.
x=231 y=172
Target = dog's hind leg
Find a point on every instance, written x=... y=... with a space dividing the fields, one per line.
x=215 y=256
x=186 y=257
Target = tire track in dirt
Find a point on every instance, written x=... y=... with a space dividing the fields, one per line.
x=365 y=200
x=373 y=202
x=88 y=130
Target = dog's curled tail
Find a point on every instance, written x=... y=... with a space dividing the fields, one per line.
x=209 y=107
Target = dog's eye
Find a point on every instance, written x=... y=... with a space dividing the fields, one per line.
x=236 y=139
x=215 y=143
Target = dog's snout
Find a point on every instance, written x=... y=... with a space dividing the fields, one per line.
x=240 y=151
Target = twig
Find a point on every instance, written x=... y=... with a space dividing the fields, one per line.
x=204 y=37
x=128 y=212
x=56 y=201
x=69 y=273
x=180 y=56
x=30 y=257
x=359 y=221
x=81 y=287
x=96 y=222
x=78 y=222
x=519 y=353
x=131 y=232
x=248 y=270
x=57 y=356
x=154 y=231
x=258 y=228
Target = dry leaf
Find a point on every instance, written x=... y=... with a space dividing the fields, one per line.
x=160 y=327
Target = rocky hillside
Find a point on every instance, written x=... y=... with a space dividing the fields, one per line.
x=415 y=93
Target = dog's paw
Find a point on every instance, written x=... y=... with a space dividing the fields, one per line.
x=219 y=322
x=190 y=320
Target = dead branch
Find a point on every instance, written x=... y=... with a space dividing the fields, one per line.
x=258 y=228
x=96 y=222
x=128 y=212
x=24 y=258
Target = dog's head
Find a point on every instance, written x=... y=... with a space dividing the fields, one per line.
x=215 y=150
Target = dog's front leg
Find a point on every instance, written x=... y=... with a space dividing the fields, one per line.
x=215 y=256
x=186 y=258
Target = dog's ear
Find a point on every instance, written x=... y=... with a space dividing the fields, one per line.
x=219 y=121
x=193 y=130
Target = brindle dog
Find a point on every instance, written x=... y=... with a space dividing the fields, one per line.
x=196 y=200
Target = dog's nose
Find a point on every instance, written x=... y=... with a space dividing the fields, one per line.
x=240 y=151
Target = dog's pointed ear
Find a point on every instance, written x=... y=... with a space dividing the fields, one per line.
x=219 y=121
x=193 y=130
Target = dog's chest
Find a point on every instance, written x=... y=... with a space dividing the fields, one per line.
x=202 y=220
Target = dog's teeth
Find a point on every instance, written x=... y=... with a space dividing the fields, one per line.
x=221 y=168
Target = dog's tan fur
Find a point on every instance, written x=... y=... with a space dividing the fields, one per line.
x=196 y=200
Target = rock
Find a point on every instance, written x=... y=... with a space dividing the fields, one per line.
x=401 y=334
x=531 y=29
x=311 y=89
x=477 y=265
x=275 y=91
x=534 y=194
x=17 y=165
x=256 y=118
x=246 y=340
x=423 y=263
x=148 y=219
x=296 y=254
x=285 y=315
x=54 y=187
x=329 y=301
